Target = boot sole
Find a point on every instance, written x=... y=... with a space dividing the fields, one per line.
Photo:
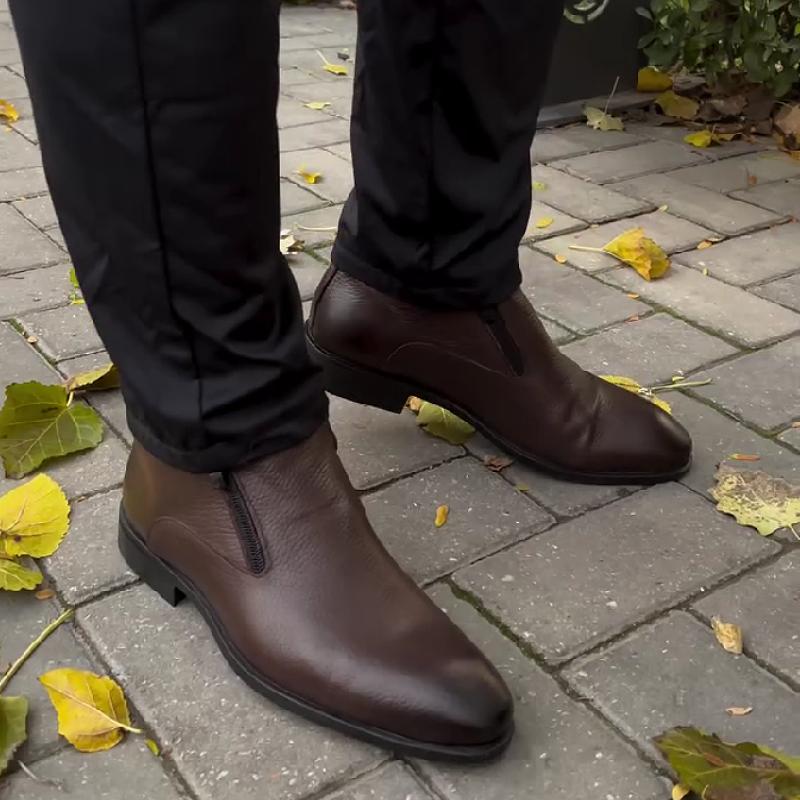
x=174 y=587
x=374 y=388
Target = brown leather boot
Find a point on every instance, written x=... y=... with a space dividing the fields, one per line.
x=307 y=605
x=499 y=370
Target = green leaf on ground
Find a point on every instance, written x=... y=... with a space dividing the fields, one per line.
x=599 y=120
x=13 y=718
x=16 y=578
x=440 y=422
x=38 y=423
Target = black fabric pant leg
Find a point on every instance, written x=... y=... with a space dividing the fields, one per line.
x=157 y=125
x=444 y=111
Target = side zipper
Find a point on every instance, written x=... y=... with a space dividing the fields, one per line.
x=252 y=548
x=505 y=341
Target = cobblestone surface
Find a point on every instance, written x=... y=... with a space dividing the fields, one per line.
x=593 y=601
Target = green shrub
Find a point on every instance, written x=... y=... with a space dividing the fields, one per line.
x=758 y=40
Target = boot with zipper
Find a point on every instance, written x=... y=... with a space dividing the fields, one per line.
x=498 y=369
x=306 y=604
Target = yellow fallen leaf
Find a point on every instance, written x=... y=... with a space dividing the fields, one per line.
x=599 y=120
x=679 y=791
x=289 y=244
x=663 y=208
x=92 y=711
x=705 y=244
x=630 y=385
x=443 y=424
x=14 y=577
x=633 y=295
x=757 y=499
x=640 y=252
x=153 y=747
x=335 y=69
x=317 y=105
x=702 y=138
x=414 y=404
x=560 y=259
x=95 y=380
x=538 y=186
x=705 y=271
x=651 y=79
x=308 y=176
x=675 y=105
x=34 y=518
x=543 y=222
x=442 y=513
x=738 y=711
x=8 y=111
x=728 y=635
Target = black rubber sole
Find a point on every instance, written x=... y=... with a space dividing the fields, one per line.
x=173 y=588
x=374 y=388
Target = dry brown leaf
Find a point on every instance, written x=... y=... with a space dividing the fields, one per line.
x=705 y=244
x=633 y=295
x=497 y=463
x=738 y=711
x=728 y=635
x=442 y=514
x=560 y=259
x=45 y=594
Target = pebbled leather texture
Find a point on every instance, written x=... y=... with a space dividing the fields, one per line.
x=333 y=619
x=554 y=413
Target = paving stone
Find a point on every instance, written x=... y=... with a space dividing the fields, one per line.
x=322 y=91
x=8 y=55
x=310 y=60
x=750 y=259
x=226 y=740
x=23 y=245
x=700 y=205
x=341 y=150
x=39 y=210
x=8 y=39
x=16 y=152
x=325 y=220
x=791 y=437
x=128 y=772
x=393 y=782
x=765 y=604
x=572 y=299
x=585 y=581
x=24 y=618
x=88 y=561
x=785 y=291
x=560 y=749
x=24 y=292
x=650 y=351
x=319 y=134
x=486 y=513
x=727 y=310
x=291 y=77
x=295 y=199
x=716 y=437
x=292 y=112
x=336 y=180
x=11 y=85
x=782 y=198
x=760 y=388
x=617 y=165
x=563 y=498
x=558 y=334
x=672 y=233
x=584 y=200
x=19 y=183
x=676 y=133
x=674 y=673
x=735 y=174
x=549 y=146
x=19 y=362
x=376 y=446
x=592 y=141
x=307 y=272
x=63 y=332
x=560 y=222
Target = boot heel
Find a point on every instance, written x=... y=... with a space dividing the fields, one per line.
x=146 y=565
x=360 y=385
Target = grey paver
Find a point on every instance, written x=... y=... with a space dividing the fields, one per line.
x=674 y=673
x=111 y=406
x=672 y=233
x=617 y=165
x=584 y=581
x=765 y=604
x=726 y=310
x=341 y=150
x=551 y=145
x=16 y=152
x=321 y=91
x=676 y=134
x=336 y=174
x=307 y=271
x=295 y=199
x=128 y=772
x=791 y=436
x=564 y=498
x=785 y=291
x=716 y=437
x=292 y=112
x=750 y=259
x=558 y=334
x=572 y=299
x=560 y=750
x=317 y=135
x=23 y=245
x=559 y=222
x=735 y=174
x=19 y=362
x=24 y=292
x=24 y=618
x=486 y=513
x=22 y=183
x=63 y=332
x=761 y=387
x=584 y=200
x=700 y=205
x=376 y=446
x=593 y=141
x=11 y=85
x=649 y=351
x=324 y=220
x=782 y=198
x=392 y=782
x=226 y=740
x=88 y=561
x=39 y=210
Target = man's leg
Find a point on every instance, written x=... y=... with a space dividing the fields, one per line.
x=423 y=297
x=157 y=124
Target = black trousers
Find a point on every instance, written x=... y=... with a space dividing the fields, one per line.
x=157 y=125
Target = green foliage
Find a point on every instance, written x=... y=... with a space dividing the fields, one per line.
x=756 y=39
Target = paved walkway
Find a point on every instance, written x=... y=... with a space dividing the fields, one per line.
x=593 y=601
